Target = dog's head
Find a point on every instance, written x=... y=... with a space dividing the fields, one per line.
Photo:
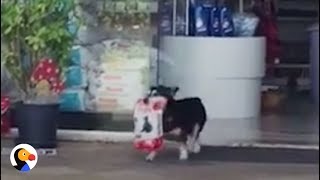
x=167 y=92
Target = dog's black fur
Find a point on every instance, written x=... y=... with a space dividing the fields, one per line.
x=183 y=114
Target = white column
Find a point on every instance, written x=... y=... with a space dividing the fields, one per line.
x=226 y=74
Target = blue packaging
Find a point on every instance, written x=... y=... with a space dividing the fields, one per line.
x=215 y=21
x=202 y=18
x=72 y=100
x=221 y=23
x=165 y=17
x=226 y=21
x=75 y=56
x=76 y=77
x=191 y=25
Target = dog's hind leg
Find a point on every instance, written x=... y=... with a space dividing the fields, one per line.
x=193 y=140
x=183 y=149
x=196 y=146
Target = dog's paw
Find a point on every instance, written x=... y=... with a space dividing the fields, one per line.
x=196 y=148
x=148 y=159
x=183 y=155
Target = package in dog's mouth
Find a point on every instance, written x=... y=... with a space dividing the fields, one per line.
x=148 y=128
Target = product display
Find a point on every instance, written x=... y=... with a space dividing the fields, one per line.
x=201 y=17
x=215 y=21
x=166 y=17
x=72 y=100
x=76 y=77
x=245 y=24
x=226 y=22
x=110 y=62
x=124 y=76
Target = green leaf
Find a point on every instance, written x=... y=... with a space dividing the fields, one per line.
x=8 y=30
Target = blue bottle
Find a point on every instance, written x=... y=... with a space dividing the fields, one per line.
x=165 y=19
x=191 y=25
x=202 y=18
x=215 y=24
x=226 y=22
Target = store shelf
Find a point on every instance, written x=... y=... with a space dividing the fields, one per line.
x=296 y=19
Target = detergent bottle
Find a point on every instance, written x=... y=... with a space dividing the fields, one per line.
x=215 y=25
x=191 y=24
x=202 y=17
x=226 y=21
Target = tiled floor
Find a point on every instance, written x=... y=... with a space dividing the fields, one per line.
x=297 y=121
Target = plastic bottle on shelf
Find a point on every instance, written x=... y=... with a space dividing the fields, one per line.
x=215 y=29
x=226 y=21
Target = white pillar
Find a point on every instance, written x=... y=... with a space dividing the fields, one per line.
x=226 y=74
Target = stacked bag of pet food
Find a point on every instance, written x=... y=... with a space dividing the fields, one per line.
x=72 y=98
x=121 y=78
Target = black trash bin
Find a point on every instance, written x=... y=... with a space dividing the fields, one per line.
x=37 y=124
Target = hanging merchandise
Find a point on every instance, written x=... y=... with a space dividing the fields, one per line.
x=266 y=11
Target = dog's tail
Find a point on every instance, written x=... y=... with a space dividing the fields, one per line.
x=203 y=118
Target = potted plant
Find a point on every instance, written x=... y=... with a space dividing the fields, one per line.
x=36 y=49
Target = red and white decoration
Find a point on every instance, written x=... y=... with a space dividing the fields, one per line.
x=49 y=71
x=148 y=129
x=5 y=123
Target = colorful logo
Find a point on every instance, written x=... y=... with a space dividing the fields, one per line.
x=23 y=157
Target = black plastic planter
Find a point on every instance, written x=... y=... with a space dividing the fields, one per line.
x=37 y=124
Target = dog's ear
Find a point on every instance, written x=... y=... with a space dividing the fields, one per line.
x=152 y=88
x=175 y=90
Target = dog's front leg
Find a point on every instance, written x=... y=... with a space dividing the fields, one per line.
x=183 y=151
x=150 y=157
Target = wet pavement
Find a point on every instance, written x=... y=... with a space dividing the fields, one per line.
x=83 y=161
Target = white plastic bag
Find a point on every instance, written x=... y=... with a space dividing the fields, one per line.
x=245 y=24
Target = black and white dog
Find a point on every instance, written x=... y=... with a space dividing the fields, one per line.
x=183 y=118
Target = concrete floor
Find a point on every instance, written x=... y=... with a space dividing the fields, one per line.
x=95 y=161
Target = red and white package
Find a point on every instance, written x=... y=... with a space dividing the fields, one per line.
x=148 y=128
